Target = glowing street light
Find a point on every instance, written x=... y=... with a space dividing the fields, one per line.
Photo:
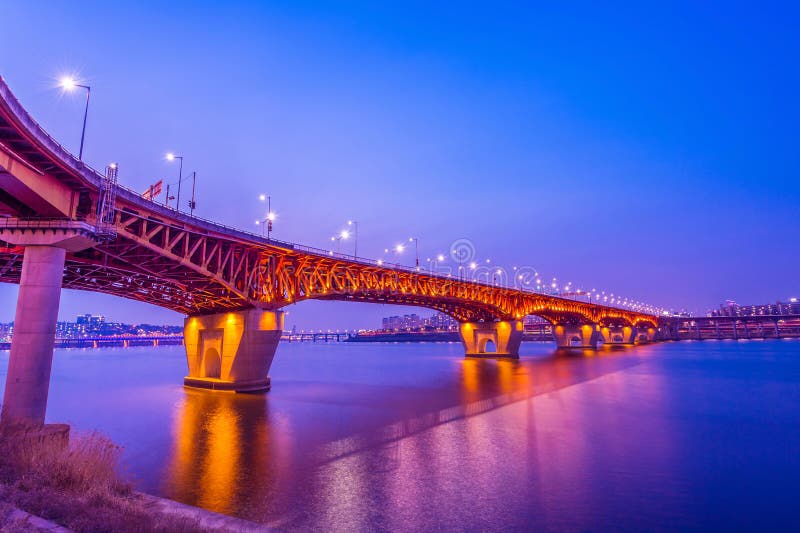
x=69 y=84
x=269 y=218
x=344 y=234
x=416 y=249
x=172 y=157
x=354 y=223
x=434 y=263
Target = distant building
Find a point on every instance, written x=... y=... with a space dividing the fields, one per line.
x=731 y=308
x=414 y=322
x=90 y=320
x=96 y=326
x=533 y=320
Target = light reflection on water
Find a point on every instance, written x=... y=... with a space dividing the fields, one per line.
x=416 y=437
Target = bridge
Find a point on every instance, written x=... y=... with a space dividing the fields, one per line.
x=124 y=341
x=64 y=224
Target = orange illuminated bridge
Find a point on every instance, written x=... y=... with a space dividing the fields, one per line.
x=63 y=224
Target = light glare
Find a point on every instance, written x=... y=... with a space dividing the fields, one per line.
x=67 y=83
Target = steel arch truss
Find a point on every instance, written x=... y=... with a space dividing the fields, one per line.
x=196 y=271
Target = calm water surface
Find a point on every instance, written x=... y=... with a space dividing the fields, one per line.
x=402 y=437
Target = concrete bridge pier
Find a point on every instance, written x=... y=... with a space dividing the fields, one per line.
x=624 y=335
x=646 y=335
x=232 y=351
x=572 y=336
x=28 y=378
x=492 y=339
x=668 y=330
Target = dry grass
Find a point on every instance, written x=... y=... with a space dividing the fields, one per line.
x=77 y=485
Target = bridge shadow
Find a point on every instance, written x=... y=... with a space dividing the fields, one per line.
x=486 y=384
x=243 y=455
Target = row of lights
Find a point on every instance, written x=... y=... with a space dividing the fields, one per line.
x=593 y=296
x=69 y=84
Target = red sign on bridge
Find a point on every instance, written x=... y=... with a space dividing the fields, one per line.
x=153 y=191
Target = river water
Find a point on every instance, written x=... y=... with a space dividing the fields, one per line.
x=414 y=437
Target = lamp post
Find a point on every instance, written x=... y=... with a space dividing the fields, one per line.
x=338 y=238
x=416 y=250
x=192 y=204
x=173 y=157
x=69 y=84
x=168 y=198
x=434 y=263
x=354 y=223
x=399 y=249
x=270 y=218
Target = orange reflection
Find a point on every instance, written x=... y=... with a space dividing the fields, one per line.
x=222 y=451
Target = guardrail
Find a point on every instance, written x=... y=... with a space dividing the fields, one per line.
x=55 y=223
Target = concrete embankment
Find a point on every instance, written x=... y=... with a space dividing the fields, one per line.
x=206 y=519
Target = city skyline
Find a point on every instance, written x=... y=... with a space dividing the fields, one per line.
x=537 y=152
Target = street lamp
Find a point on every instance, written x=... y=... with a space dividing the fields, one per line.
x=354 y=223
x=69 y=84
x=397 y=249
x=270 y=218
x=434 y=263
x=172 y=157
x=416 y=250
x=338 y=238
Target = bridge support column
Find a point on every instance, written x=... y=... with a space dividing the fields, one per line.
x=645 y=335
x=625 y=335
x=668 y=330
x=570 y=336
x=28 y=380
x=232 y=351
x=506 y=336
x=46 y=243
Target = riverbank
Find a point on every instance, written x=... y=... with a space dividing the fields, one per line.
x=78 y=485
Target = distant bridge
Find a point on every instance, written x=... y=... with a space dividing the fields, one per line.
x=64 y=224
x=732 y=327
x=124 y=341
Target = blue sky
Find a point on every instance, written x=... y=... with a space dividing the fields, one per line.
x=648 y=150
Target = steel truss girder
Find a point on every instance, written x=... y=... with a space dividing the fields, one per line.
x=195 y=272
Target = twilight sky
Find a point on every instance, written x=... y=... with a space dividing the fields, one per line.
x=650 y=151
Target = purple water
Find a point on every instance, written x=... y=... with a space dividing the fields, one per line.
x=414 y=437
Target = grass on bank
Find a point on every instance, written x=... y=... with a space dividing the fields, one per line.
x=77 y=485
